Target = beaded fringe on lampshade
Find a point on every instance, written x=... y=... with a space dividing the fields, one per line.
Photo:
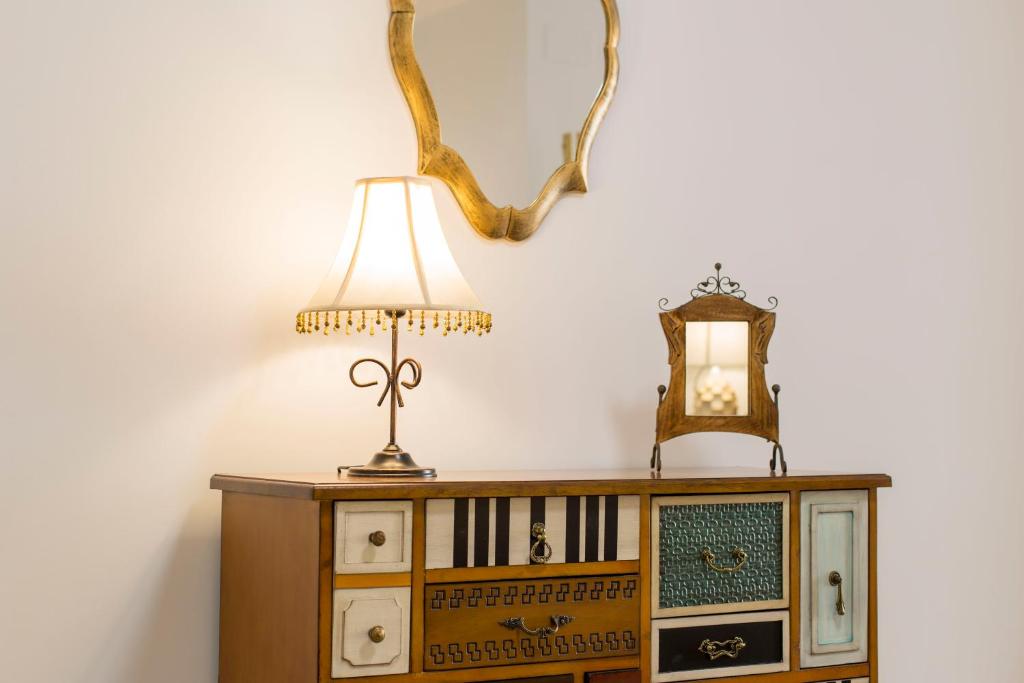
x=347 y=322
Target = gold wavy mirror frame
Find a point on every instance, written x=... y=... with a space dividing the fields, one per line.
x=441 y=161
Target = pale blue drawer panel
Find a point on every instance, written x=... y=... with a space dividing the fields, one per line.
x=714 y=554
x=834 y=570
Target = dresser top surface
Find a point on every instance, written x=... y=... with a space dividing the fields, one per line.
x=453 y=483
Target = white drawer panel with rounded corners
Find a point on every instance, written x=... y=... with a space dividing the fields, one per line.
x=372 y=536
x=370 y=632
x=834 y=567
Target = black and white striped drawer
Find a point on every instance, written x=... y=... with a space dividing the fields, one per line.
x=489 y=532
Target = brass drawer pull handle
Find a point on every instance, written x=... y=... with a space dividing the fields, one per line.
x=519 y=623
x=540 y=552
x=724 y=648
x=378 y=538
x=377 y=634
x=835 y=579
x=738 y=554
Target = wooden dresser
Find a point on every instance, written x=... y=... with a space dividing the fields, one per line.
x=619 y=576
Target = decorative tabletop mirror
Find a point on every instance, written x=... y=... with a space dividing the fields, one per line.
x=718 y=347
x=506 y=96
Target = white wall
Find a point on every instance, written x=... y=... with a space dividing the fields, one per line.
x=174 y=180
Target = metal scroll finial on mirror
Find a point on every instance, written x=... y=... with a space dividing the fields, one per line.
x=718 y=347
x=719 y=284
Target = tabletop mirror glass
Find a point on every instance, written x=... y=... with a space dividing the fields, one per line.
x=506 y=96
x=716 y=368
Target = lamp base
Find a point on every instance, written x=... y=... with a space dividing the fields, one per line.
x=391 y=462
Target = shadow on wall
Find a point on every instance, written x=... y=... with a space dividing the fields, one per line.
x=179 y=602
x=633 y=423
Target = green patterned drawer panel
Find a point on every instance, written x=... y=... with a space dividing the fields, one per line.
x=756 y=524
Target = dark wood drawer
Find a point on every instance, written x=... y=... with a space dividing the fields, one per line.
x=471 y=625
x=630 y=676
x=691 y=648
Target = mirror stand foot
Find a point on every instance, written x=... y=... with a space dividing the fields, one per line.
x=656 y=458
x=778 y=455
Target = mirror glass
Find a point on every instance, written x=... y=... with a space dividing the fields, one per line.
x=717 y=358
x=513 y=82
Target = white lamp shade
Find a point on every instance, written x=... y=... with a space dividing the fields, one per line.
x=394 y=258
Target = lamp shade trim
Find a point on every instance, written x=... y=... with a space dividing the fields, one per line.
x=393 y=262
x=447 y=322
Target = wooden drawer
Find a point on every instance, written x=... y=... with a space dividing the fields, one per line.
x=715 y=554
x=372 y=536
x=482 y=532
x=564 y=678
x=471 y=625
x=849 y=680
x=630 y=676
x=370 y=632
x=834 y=548
x=691 y=648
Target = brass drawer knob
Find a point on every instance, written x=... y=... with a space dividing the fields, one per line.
x=377 y=634
x=715 y=649
x=836 y=579
x=738 y=554
x=378 y=538
x=540 y=552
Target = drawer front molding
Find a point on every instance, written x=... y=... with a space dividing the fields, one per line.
x=716 y=554
x=715 y=646
x=372 y=536
x=834 y=558
x=497 y=623
x=497 y=532
x=371 y=632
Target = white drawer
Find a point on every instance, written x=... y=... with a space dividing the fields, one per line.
x=371 y=632
x=372 y=536
x=834 y=557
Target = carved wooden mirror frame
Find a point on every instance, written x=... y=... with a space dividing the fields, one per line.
x=719 y=299
x=441 y=161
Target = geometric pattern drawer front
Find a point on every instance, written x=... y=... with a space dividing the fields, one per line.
x=497 y=532
x=834 y=583
x=748 y=565
x=470 y=625
x=721 y=645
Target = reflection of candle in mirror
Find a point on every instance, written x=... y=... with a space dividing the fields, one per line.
x=715 y=396
x=716 y=364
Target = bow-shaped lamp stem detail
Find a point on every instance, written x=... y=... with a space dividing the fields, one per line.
x=391 y=460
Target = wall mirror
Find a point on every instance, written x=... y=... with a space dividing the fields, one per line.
x=718 y=348
x=506 y=97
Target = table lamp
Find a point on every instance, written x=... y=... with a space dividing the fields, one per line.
x=393 y=270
